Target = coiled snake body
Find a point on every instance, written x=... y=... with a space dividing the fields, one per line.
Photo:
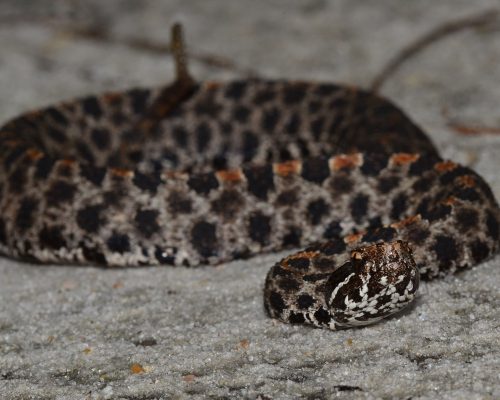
x=204 y=173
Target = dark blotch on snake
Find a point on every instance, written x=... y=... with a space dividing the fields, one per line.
x=324 y=263
x=469 y=194
x=89 y=218
x=17 y=179
x=288 y=284
x=3 y=233
x=305 y=301
x=118 y=118
x=60 y=192
x=164 y=257
x=479 y=250
x=241 y=113
x=333 y=247
x=301 y=263
x=235 y=90
x=57 y=116
x=373 y=164
x=93 y=254
x=260 y=180
x=332 y=230
x=436 y=213
x=294 y=94
x=316 y=209
x=287 y=198
x=398 y=206
x=326 y=89
x=375 y=222
x=467 y=218
x=64 y=170
x=423 y=184
x=43 y=167
x=139 y=99
x=118 y=243
x=264 y=96
x=359 y=207
x=91 y=107
x=341 y=184
x=51 y=237
x=148 y=182
x=314 y=106
x=259 y=228
x=292 y=237
x=386 y=184
x=204 y=238
x=13 y=155
x=208 y=107
x=385 y=234
x=281 y=272
x=241 y=254
x=276 y=302
x=316 y=277
x=322 y=316
x=315 y=169
x=492 y=224
x=56 y=135
x=228 y=204
x=270 y=119
x=450 y=176
x=203 y=136
x=84 y=151
x=93 y=173
x=293 y=124
x=250 y=145
x=296 y=318
x=146 y=222
x=101 y=138
x=423 y=164
x=446 y=249
x=317 y=127
x=179 y=203
x=24 y=216
x=203 y=183
x=417 y=234
x=180 y=136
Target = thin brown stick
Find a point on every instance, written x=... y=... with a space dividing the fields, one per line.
x=178 y=50
x=172 y=95
x=470 y=22
x=99 y=34
x=216 y=61
x=468 y=128
x=473 y=130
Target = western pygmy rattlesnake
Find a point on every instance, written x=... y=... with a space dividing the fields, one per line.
x=204 y=173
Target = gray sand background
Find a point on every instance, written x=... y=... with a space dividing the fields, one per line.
x=158 y=333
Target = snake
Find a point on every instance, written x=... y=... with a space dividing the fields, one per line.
x=196 y=173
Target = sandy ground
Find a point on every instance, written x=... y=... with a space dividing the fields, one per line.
x=157 y=333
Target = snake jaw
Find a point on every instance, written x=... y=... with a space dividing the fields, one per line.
x=379 y=280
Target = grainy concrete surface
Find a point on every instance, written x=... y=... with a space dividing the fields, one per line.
x=157 y=333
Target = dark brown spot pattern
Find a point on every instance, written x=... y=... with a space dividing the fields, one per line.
x=239 y=168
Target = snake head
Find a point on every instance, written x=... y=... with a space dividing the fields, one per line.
x=379 y=280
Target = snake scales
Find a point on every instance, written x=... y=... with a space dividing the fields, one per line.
x=204 y=173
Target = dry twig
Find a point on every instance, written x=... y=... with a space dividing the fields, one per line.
x=472 y=130
x=100 y=35
x=470 y=22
